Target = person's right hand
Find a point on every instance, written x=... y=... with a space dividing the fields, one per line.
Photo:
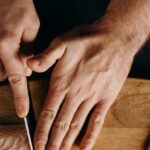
x=19 y=24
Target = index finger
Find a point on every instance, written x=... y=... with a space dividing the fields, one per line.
x=16 y=76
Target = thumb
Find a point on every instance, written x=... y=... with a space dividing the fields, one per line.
x=43 y=61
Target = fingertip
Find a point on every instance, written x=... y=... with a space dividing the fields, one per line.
x=39 y=63
x=34 y=64
x=21 y=111
x=28 y=72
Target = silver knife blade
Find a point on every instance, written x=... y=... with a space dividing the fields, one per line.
x=30 y=122
x=28 y=133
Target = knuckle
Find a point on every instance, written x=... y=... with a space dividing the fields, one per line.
x=61 y=125
x=75 y=126
x=15 y=79
x=47 y=114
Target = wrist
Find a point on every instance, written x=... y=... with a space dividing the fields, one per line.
x=127 y=22
x=130 y=39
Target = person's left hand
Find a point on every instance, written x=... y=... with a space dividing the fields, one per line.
x=89 y=73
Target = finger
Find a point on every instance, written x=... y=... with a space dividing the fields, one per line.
x=28 y=71
x=45 y=60
x=24 y=59
x=3 y=75
x=77 y=123
x=95 y=124
x=62 y=123
x=47 y=116
x=17 y=79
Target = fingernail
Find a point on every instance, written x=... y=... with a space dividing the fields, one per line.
x=36 y=60
x=21 y=111
x=40 y=147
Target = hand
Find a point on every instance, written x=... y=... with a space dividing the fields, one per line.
x=89 y=73
x=19 y=24
x=92 y=63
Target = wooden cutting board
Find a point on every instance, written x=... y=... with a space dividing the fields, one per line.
x=127 y=125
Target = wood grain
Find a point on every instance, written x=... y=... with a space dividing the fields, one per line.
x=126 y=127
x=13 y=137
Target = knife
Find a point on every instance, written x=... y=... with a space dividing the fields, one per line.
x=30 y=122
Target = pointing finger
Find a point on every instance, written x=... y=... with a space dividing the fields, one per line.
x=17 y=79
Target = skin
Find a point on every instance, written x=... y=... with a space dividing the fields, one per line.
x=92 y=64
x=19 y=25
